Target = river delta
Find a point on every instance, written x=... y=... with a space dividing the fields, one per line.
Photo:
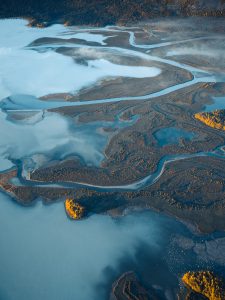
x=106 y=116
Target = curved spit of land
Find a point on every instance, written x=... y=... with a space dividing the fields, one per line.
x=198 y=76
x=147 y=181
x=20 y=105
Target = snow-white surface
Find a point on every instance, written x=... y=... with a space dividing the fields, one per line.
x=53 y=134
x=26 y=71
x=90 y=37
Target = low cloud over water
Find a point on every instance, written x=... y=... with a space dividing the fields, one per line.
x=52 y=257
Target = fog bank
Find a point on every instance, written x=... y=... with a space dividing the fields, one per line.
x=45 y=256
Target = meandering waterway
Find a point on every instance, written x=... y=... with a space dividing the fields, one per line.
x=43 y=254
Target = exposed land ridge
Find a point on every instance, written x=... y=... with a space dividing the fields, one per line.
x=106 y=12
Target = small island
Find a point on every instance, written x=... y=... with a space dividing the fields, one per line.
x=215 y=119
x=205 y=283
x=74 y=210
x=128 y=287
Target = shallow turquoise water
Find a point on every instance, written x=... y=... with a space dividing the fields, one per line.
x=44 y=255
x=218 y=103
x=172 y=135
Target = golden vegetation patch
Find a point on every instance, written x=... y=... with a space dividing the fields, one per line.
x=215 y=119
x=206 y=284
x=74 y=210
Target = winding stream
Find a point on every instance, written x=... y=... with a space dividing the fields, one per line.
x=44 y=255
x=146 y=181
x=25 y=103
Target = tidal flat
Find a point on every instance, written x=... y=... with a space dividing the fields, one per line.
x=105 y=116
